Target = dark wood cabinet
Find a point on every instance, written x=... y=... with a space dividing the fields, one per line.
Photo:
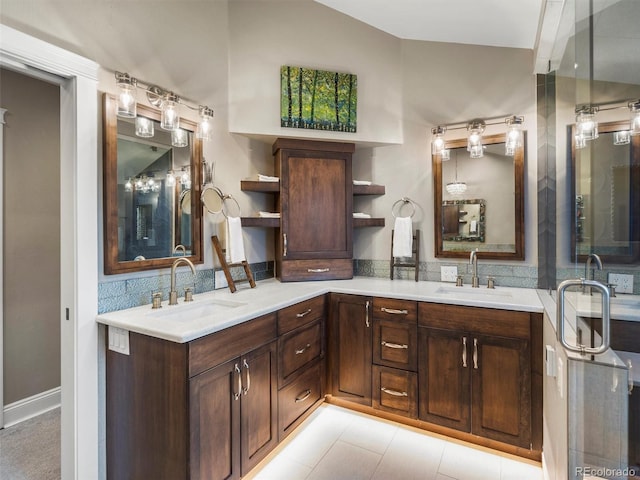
x=350 y=348
x=315 y=204
x=475 y=372
x=634 y=428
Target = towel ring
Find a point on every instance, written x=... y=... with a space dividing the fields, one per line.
x=227 y=197
x=403 y=201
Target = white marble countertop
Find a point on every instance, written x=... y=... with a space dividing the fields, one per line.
x=622 y=307
x=220 y=309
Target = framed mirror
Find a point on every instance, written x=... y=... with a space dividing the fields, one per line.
x=152 y=184
x=605 y=183
x=480 y=201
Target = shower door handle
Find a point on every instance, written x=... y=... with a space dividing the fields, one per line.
x=606 y=315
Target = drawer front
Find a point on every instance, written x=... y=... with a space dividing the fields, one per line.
x=395 y=344
x=217 y=348
x=300 y=347
x=297 y=397
x=330 y=269
x=486 y=321
x=394 y=309
x=300 y=314
x=395 y=391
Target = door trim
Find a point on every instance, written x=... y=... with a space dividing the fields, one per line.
x=2 y=122
x=79 y=239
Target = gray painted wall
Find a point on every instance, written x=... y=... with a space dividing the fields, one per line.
x=31 y=220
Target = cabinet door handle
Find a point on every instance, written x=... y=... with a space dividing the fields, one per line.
x=318 y=270
x=630 y=374
x=394 y=311
x=464 y=352
x=245 y=390
x=475 y=353
x=393 y=345
x=395 y=393
x=303 y=314
x=366 y=314
x=284 y=243
x=238 y=374
x=300 y=351
x=303 y=396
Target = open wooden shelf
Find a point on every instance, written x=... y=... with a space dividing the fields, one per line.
x=255 y=186
x=260 y=222
x=368 y=222
x=368 y=190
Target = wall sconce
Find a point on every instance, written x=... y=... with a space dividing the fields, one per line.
x=586 y=123
x=168 y=102
x=476 y=128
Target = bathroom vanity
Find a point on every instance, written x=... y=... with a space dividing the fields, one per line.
x=209 y=388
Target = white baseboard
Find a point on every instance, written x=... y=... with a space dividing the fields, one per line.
x=27 y=408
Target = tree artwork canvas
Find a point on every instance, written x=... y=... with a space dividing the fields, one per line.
x=317 y=99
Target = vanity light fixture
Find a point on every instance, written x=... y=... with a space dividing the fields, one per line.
x=474 y=141
x=168 y=102
x=514 y=135
x=144 y=127
x=437 y=143
x=179 y=138
x=126 y=95
x=622 y=137
x=586 y=123
x=171 y=178
x=634 y=108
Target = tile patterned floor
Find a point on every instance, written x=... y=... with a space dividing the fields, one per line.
x=337 y=444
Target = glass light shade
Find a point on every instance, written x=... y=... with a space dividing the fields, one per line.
x=171 y=178
x=514 y=135
x=128 y=186
x=456 y=188
x=622 y=137
x=437 y=143
x=179 y=138
x=127 y=106
x=170 y=118
x=474 y=140
x=586 y=125
x=635 y=117
x=445 y=154
x=579 y=141
x=144 y=127
x=476 y=151
x=203 y=131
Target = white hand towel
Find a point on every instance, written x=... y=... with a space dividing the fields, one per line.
x=235 y=244
x=402 y=237
x=473 y=225
x=267 y=178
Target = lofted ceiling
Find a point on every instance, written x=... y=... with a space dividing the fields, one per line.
x=498 y=23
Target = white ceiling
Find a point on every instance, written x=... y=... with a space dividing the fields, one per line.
x=499 y=23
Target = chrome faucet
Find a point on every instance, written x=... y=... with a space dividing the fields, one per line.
x=173 y=294
x=473 y=260
x=588 y=272
x=180 y=247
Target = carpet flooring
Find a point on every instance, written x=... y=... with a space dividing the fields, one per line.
x=30 y=450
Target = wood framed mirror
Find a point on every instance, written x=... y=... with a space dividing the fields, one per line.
x=489 y=214
x=605 y=192
x=151 y=186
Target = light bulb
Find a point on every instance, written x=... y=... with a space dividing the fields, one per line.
x=171 y=179
x=203 y=132
x=169 y=118
x=127 y=106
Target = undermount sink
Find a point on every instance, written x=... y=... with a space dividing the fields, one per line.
x=185 y=312
x=474 y=292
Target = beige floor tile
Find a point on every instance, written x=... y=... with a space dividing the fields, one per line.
x=365 y=432
x=346 y=462
x=514 y=470
x=466 y=463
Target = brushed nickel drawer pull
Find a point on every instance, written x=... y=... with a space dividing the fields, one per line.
x=284 y=246
x=301 y=398
x=464 y=352
x=245 y=390
x=366 y=317
x=236 y=371
x=317 y=270
x=303 y=314
x=394 y=311
x=300 y=351
x=395 y=393
x=394 y=345
x=475 y=353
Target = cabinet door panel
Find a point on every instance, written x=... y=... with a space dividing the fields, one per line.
x=259 y=405
x=351 y=348
x=215 y=423
x=443 y=378
x=315 y=218
x=502 y=390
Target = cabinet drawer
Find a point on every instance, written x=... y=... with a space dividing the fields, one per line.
x=300 y=314
x=297 y=397
x=217 y=348
x=330 y=269
x=300 y=347
x=394 y=309
x=395 y=391
x=395 y=344
x=487 y=321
